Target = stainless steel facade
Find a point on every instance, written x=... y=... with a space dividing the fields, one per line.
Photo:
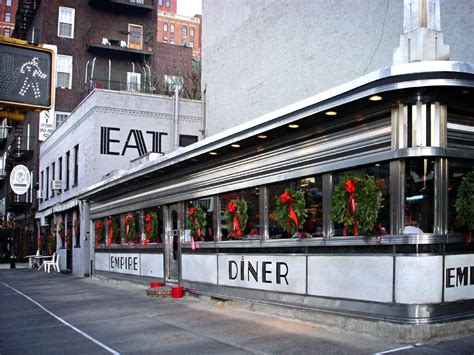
x=410 y=122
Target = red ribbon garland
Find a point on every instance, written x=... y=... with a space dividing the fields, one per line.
x=291 y=216
x=351 y=203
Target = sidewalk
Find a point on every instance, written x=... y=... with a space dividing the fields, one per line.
x=21 y=265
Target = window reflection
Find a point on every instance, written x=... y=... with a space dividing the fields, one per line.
x=419 y=196
x=457 y=169
x=252 y=228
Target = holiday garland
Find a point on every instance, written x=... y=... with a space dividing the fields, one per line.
x=289 y=210
x=464 y=202
x=236 y=217
x=51 y=243
x=151 y=227
x=197 y=222
x=356 y=202
x=99 y=233
x=112 y=230
x=61 y=231
x=130 y=229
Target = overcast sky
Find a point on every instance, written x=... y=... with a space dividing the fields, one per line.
x=189 y=7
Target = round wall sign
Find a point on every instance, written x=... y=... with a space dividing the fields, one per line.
x=20 y=179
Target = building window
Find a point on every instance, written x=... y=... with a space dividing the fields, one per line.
x=60 y=117
x=66 y=22
x=165 y=40
x=134 y=82
x=6 y=32
x=63 y=71
x=53 y=176
x=172 y=28
x=160 y=2
x=191 y=44
x=165 y=27
x=135 y=35
x=60 y=171
x=47 y=183
x=183 y=42
x=172 y=40
x=42 y=184
x=7 y=17
x=9 y=3
x=30 y=192
x=184 y=31
x=191 y=31
x=76 y=165
x=185 y=140
x=167 y=3
x=68 y=159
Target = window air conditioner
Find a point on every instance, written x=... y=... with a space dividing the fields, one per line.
x=123 y=44
x=105 y=42
x=56 y=185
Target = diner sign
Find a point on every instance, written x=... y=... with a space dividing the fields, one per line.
x=264 y=272
x=459 y=277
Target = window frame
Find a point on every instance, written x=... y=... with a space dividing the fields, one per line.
x=68 y=58
x=76 y=166
x=73 y=13
x=68 y=159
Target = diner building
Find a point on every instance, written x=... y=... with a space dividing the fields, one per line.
x=342 y=204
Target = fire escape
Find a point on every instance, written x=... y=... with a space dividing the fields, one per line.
x=24 y=17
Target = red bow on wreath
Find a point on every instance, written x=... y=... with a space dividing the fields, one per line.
x=351 y=203
x=284 y=198
x=236 y=229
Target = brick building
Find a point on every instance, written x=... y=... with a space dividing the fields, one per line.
x=7 y=16
x=177 y=29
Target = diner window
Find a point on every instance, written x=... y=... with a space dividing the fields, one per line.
x=312 y=224
x=165 y=27
x=131 y=228
x=457 y=170
x=100 y=232
x=153 y=223
x=66 y=22
x=419 y=196
x=381 y=176
x=113 y=230
x=240 y=228
x=203 y=223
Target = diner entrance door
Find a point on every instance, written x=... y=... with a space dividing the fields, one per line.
x=173 y=237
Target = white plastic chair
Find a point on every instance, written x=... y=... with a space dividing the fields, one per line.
x=54 y=263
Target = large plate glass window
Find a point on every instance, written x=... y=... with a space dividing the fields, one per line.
x=239 y=215
x=193 y=216
x=457 y=170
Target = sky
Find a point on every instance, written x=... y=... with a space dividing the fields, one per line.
x=189 y=7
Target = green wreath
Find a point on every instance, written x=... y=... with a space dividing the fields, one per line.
x=236 y=217
x=289 y=210
x=151 y=227
x=99 y=233
x=197 y=222
x=356 y=202
x=130 y=229
x=113 y=234
x=464 y=202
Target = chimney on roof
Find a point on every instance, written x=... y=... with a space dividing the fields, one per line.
x=422 y=39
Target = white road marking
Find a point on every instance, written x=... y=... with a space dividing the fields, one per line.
x=398 y=349
x=112 y=351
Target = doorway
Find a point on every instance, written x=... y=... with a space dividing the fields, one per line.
x=173 y=237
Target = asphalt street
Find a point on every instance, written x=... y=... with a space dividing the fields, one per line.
x=61 y=314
